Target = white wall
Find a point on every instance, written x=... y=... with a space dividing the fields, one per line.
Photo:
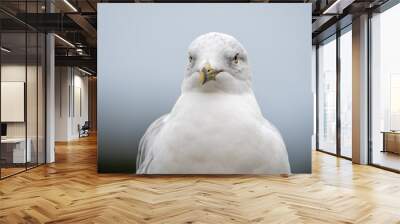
x=16 y=73
x=79 y=117
x=70 y=83
x=12 y=73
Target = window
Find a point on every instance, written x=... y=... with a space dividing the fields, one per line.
x=385 y=89
x=346 y=92
x=327 y=96
x=394 y=119
x=333 y=137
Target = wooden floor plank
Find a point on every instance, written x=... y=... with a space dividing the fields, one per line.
x=71 y=191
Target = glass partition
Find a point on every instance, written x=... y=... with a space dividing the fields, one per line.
x=22 y=101
x=13 y=110
x=31 y=99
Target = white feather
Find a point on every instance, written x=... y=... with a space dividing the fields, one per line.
x=215 y=128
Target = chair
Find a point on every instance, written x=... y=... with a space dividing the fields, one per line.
x=84 y=130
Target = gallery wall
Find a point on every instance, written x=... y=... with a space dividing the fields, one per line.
x=148 y=44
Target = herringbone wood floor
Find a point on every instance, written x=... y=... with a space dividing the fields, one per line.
x=71 y=191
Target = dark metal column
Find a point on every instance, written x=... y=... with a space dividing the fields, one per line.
x=338 y=73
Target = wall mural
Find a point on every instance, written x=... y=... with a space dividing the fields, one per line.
x=199 y=89
x=216 y=126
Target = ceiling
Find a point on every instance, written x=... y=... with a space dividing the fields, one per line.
x=75 y=22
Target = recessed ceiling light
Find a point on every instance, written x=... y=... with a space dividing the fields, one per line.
x=84 y=71
x=65 y=41
x=338 y=6
x=5 y=50
x=70 y=5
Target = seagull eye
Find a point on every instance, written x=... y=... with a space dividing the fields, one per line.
x=236 y=58
x=190 y=58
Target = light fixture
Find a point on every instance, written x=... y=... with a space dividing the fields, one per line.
x=338 y=6
x=70 y=5
x=5 y=50
x=84 y=71
x=79 y=51
x=65 y=41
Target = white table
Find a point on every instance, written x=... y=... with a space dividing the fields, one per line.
x=19 y=152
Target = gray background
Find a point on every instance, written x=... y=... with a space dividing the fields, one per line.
x=142 y=53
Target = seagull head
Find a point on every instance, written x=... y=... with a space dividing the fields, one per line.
x=217 y=62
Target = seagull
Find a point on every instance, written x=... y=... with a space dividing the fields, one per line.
x=216 y=126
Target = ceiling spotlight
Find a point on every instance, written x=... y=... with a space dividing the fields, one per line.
x=70 y=5
x=65 y=41
x=5 y=50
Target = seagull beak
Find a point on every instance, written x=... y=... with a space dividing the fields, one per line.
x=208 y=73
